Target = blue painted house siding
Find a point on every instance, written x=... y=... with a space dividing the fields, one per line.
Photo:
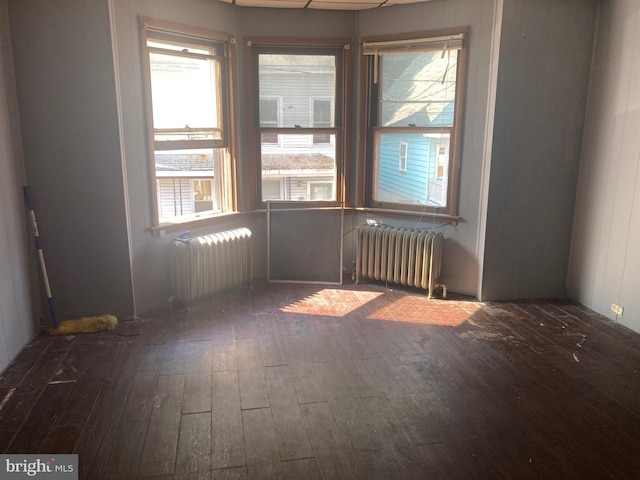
x=410 y=186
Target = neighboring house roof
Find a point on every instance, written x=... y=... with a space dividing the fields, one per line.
x=423 y=91
x=184 y=162
x=194 y=162
x=297 y=162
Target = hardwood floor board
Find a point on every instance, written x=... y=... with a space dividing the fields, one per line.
x=432 y=419
x=119 y=456
x=344 y=379
x=140 y=398
x=272 y=351
x=145 y=359
x=32 y=432
x=263 y=459
x=288 y=421
x=197 y=392
x=228 y=446
x=450 y=460
x=159 y=454
x=223 y=358
x=623 y=390
x=306 y=382
x=86 y=360
x=237 y=473
x=391 y=420
x=46 y=366
x=253 y=389
x=379 y=464
x=79 y=403
x=199 y=356
x=194 y=445
x=16 y=406
x=440 y=371
x=369 y=345
x=102 y=422
x=247 y=328
x=359 y=428
x=176 y=358
x=61 y=439
x=306 y=468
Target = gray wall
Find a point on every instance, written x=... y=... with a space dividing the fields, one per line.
x=543 y=73
x=462 y=254
x=605 y=253
x=17 y=319
x=66 y=96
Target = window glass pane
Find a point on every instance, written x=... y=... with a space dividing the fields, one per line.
x=418 y=89
x=185 y=97
x=269 y=112
x=322 y=117
x=426 y=160
x=297 y=79
x=187 y=182
x=321 y=191
x=271 y=189
x=298 y=162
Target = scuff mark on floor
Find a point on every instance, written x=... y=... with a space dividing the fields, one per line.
x=491 y=310
x=7 y=397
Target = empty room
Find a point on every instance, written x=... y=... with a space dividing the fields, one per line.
x=332 y=239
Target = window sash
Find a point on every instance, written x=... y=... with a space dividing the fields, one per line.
x=332 y=131
x=420 y=180
x=367 y=195
x=169 y=39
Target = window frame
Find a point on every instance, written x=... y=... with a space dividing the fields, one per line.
x=369 y=127
x=153 y=29
x=341 y=48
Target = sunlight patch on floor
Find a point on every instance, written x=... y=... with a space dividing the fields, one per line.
x=332 y=302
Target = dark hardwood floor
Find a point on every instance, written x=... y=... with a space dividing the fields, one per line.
x=351 y=382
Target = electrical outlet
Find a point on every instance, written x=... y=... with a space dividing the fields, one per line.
x=617 y=309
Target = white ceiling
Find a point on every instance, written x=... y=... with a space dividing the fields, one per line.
x=321 y=4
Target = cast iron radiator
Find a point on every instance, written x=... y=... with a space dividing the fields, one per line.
x=400 y=255
x=203 y=265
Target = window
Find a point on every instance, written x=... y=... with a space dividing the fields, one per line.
x=188 y=103
x=414 y=112
x=270 y=108
x=272 y=189
x=322 y=115
x=320 y=191
x=402 y=157
x=308 y=81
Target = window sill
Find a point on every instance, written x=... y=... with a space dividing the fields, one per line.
x=178 y=226
x=428 y=217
